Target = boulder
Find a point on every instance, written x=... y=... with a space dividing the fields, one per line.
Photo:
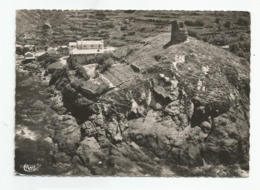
x=91 y=70
x=68 y=138
x=205 y=126
x=173 y=108
x=88 y=129
x=89 y=152
x=228 y=142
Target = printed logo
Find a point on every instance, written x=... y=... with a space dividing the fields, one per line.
x=30 y=168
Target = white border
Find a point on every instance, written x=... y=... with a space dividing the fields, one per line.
x=7 y=86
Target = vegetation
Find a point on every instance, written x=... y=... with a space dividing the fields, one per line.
x=242 y=21
x=81 y=73
x=122 y=28
x=194 y=23
x=227 y=24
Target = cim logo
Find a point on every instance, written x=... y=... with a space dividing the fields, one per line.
x=30 y=168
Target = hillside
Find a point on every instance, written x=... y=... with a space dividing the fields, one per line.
x=119 y=28
x=150 y=108
x=181 y=114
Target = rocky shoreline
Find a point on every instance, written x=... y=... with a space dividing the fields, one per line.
x=69 y=132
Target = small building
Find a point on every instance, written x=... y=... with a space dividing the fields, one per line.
x=81 y=56
x=82 y=50
x=93 y=44
x=18 y=49
x=28 y=54
x=52 y=51
x=87 y=44
x=29 y=57
x=28 y=48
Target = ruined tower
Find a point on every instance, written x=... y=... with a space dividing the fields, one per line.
x=179 y=33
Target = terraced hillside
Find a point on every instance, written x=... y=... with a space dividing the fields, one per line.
x=119 y=28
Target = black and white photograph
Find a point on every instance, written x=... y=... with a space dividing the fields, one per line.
x=129 y=93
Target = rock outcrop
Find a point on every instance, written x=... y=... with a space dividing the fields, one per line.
x=158 y=123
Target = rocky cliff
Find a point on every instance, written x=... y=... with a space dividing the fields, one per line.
x=185 y=111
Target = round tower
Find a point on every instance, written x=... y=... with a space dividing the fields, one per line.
x=178 y=33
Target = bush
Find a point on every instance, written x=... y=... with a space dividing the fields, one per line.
x=234 y=47
x=106 y=65
x=245 y=46
x=157 y=57
x=227 y=24
x=241 y=54
x=198 y=23
x=100 y=15
x=81 y=73
x=205 y=38
x=192 y=33
x=217 y=20
x=194 y=23
x=242 y=22
x=131 y=33
x=123 y=28
x=188 y=22
x=220 y=40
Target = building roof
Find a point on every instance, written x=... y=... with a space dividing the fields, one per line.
x=32 y=58
x=27 y=45
x=18 y=45
x=92 y=38
x=86 y=51
x=90 y=42
x=28 y=53
x=72 y=43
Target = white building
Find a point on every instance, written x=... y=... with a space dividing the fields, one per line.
x=86 y=44
x=81 y=50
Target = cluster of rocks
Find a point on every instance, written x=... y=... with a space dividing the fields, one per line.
x=108 y=143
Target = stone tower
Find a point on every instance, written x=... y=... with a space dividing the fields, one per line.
x=179 y=33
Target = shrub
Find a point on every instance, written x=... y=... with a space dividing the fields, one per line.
x=194 y=23
x=245 y=46
x=188 y=22
x=106 y=65
x=192 y=33
x=220 y=40
x=123 y=28
x=100 y=15
x=157 y=57
x=198 y=23
x=80 y=72
x=242 y=22
x=240 y=54
x=205 y=38
x=227 y=24
x=217 y=20
x=234 y=47
x=131 y=33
